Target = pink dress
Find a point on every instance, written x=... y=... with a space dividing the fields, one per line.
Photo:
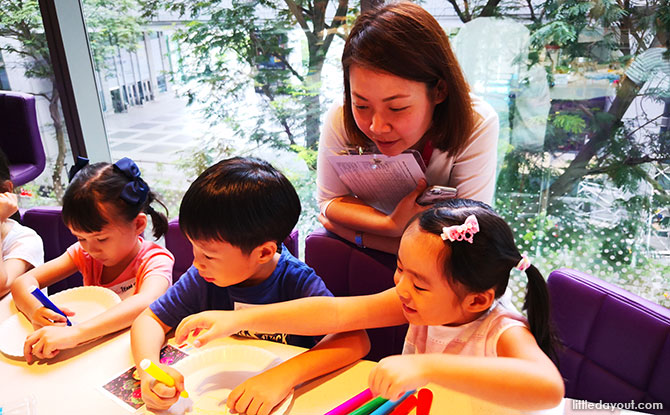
x=477 y=338
x=151 y=259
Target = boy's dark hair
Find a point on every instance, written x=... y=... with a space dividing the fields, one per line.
x=243 y=201
x=487 y=261
x=102 y=183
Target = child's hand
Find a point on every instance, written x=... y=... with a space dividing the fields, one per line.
x=46 y=342
x=9 y=204
x=43 y=316
x=215 y=323
x=260 y=394
x=158 y=395
x=395 y=375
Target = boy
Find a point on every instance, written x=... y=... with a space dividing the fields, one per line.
x=236 y=214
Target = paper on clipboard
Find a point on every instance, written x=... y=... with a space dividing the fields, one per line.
x=378 y=180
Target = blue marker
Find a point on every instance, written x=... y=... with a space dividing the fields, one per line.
x=35 y=291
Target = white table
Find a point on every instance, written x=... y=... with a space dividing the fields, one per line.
x=71 y=383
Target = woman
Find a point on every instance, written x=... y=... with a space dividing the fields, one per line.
x=404 y=89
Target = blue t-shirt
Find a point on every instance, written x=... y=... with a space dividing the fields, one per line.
x=191 y=294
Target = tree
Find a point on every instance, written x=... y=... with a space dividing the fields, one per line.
x=20 y=22
x=232 y=48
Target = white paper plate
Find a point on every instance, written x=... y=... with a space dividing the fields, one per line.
x=211 y=375
x=86 y=302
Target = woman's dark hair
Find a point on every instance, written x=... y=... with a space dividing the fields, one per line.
x=405 y=40
x=100 y=183
x=243 y=201
x=486 y=263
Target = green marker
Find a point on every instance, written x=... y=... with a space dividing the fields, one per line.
x=370 y=406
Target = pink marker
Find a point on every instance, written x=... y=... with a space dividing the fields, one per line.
x=351 y=404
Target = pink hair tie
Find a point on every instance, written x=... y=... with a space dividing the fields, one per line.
x=461 y=232
x=524 y=263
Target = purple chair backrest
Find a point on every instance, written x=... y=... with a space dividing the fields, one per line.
x=177 y=243
x=617 y=345
x=348 y=270
x=20 y=136
x=56 y=237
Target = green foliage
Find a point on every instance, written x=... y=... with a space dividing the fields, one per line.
x=568 y=122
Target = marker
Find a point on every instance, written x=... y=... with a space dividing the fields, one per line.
x=351 y=404
x=389 y=406
x=159 y=374
x=35 y=291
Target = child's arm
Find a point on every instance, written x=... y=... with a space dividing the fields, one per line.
x=9 y=270
x=147 y=335
x=309 y=316
x=47 y=341
x=261 y=393
x=42 y=276
x=521 y=377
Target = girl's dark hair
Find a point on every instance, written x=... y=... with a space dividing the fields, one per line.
x=486 y=263
x=101 y=183
x=241 y=200
x=4 y=167
x=405 y=40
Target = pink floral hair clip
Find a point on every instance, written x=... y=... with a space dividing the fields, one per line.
x=461 y=232
x=523 y=264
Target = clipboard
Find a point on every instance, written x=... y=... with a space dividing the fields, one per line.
x=378 y=180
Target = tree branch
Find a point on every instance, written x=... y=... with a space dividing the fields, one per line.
x=490 y=8
x=458 y=11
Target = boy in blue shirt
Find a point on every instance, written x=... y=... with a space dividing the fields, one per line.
x=236 y=214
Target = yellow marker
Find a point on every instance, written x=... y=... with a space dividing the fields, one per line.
x=159 y=374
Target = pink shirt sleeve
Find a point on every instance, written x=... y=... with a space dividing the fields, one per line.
x=156 y=261
x=84 y=263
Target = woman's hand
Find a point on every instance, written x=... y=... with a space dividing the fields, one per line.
x=9 y=204
x=158 y=395
x=406 y=209
x=214 y=323
x=46 y=342
x=43 y=316
x=260 y=394
x=395 y=375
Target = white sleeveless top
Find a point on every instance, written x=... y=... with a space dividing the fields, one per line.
x=477 y=338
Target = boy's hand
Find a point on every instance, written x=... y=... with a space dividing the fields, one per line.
x=9 y=204
x=215 y=323
x=158 y=395
x=260 y=394
x=46 y=342
x=43 y=316
x=395 y=375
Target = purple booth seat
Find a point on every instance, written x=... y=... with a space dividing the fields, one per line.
x=617 y=345
x=56 y=237
x=181 y=248
x=348 y=270
x=20 y=136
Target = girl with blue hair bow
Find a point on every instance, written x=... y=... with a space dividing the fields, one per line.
x=106 y=206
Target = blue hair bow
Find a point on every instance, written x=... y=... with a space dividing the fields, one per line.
x=79 y=164
x=136 y=190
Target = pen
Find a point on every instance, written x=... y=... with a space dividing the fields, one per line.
x=35 y=291
x=159 y=374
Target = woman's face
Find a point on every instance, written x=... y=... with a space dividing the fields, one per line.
x=391 y=111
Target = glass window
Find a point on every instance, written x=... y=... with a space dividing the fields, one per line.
x=25 y=66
